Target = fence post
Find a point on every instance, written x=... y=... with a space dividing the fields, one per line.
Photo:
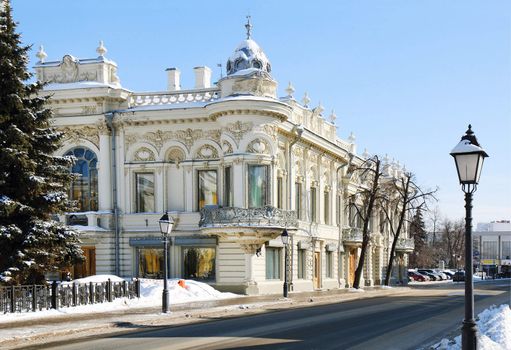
x=109 y=290
x=125 y=288
x=91 y=292
x=13 y=301
x=137 y=285
x=34 y=298
x=54 y=295
x=75 y=294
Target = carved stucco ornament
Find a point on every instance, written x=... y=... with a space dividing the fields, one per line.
x=259 y=146
x=227 y=147
x=74 y=134
x=239 y=129
x=144 y=154
x=207 y=152
x=175 y=155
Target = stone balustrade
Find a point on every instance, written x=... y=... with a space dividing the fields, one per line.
x=405 y=244
x=251 y=217
x=352 y=236
x=173 y=97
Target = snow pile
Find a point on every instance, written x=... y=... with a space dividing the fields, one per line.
x=494 y=326
x=150 y=296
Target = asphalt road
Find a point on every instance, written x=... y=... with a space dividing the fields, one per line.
x=396 y=322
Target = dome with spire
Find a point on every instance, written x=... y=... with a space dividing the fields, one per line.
x=248 y=55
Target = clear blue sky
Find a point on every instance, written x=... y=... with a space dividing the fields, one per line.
x=406 y=77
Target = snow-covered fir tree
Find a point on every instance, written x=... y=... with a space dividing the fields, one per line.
x=33 y=183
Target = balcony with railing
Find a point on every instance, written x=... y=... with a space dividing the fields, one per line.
x=267 y=217
x=352 y=236
x=405 y=245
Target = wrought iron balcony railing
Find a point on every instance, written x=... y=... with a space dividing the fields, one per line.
x=352 y=235
x=406 y=244
x=259 y=217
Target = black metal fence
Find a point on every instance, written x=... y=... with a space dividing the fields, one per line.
x=56 y=295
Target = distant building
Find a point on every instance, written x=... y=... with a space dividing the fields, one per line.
x=231 y=162
x=492 y=247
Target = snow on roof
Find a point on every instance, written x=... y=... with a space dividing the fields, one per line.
x=99 y=59
x=79 y=85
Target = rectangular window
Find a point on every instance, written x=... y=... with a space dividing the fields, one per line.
x=506 y=250
x=280 y=198
x=228 y=195
x=302 y=258
x=298 y=200
x=327 y=207
x=489 y=250
x=313 y=204
x=199 y=263
x=257 y=186
x=329 y=264
x=150 y=263
x=207 y=181
x=273 y=263
x=144 y=192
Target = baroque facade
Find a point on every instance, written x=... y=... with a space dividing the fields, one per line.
x=231 y=162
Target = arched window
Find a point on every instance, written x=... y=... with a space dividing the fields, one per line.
x=84 y=189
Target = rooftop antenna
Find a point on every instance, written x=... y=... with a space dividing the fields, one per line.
x=249 y=27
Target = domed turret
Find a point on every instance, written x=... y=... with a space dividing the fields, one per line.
x=248 y=71
x=248 y=55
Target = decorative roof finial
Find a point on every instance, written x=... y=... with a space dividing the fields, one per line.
x=333 y=117
x=249 y=27
x=306 y=100
x=319 y=109
x=41 y=54
x=351 y=138
x=366 y=154
x=290 y=90
x=101 y=50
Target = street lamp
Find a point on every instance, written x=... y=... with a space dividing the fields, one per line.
x=469 y=157
x=285 y=240
x=166 y=223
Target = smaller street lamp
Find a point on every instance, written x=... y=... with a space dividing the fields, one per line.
x=285 y=240
x=469 y=157
x=166 y=224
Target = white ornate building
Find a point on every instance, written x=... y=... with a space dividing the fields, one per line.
x=232 y=163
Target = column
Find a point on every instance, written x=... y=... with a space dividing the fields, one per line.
x=104 y=172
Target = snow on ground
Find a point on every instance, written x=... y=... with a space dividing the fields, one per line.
x=494 y=326
x=150 y=296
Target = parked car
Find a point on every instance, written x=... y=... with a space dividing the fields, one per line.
x=442 y=274
x=459 y=276
x=449 y=274
x=416 y=276
x=432 y=274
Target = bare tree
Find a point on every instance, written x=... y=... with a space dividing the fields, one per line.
x=403 y=196
x=453 y=242
x=435 y=218
x=370 y=173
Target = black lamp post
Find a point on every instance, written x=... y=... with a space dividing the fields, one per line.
x=469 y=157
x=166 y=224
x=285 y=240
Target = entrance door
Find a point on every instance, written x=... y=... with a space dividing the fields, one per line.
x=317 y=270
x=352 y=267
x=88 y=266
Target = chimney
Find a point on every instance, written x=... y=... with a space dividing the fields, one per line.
x=173 y=75
x=202 y=77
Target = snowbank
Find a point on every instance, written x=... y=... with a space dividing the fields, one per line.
x=151 y=294
x=494 y=326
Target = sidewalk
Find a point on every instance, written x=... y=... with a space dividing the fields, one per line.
x=17 y=334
